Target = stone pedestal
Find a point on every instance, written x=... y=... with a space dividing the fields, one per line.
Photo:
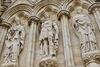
x=93 y=64
x=48 y=62
x=91 y=59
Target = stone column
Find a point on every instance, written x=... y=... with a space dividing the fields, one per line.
x=4 y=26
x=63 y=16
x=95 y=10
x=31 y=40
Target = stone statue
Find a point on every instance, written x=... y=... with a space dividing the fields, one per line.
x=83 y=26
x=13 y=44
x=49 y=38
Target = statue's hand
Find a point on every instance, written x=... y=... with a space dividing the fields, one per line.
x=21 y=47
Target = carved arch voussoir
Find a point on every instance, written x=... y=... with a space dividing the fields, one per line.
x=53 y=8
x=72 y=4
x=43 y=4
x=20 y=7
x=85 y=4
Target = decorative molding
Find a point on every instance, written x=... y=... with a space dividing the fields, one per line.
x=43 y=4
x=2 y=10
x=4 y=5
x=93 y=6
x=6 y=2
x=63 y=12
x=20 y=7
x=34 y=1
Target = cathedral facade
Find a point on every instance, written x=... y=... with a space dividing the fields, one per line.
x=49 y=33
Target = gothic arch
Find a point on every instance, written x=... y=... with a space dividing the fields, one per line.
x=20 y=7
x=86 y=4
x=70 y=6
x=66 y=3
x=52 y=8
x=43 y=4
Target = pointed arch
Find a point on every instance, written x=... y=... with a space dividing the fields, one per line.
x=73 y=3
x=42 y=4
x=20 y=7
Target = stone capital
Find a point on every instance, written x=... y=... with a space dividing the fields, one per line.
x=33 y=19
x=93 y=7
x=5 y=24
x=63 y=12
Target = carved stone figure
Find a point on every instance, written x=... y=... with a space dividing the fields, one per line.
x=49 y=38
x=13 y=44
x=85 y=30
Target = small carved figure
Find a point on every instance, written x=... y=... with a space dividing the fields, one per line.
x=86 y=32
x=14 y=43
x=49 y=38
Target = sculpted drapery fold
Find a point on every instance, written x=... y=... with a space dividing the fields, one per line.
x=13 y=44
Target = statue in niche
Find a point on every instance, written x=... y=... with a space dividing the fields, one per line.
x=49 y=37
x=83 y=26
x=13 y=44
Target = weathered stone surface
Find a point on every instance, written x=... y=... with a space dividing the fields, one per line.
x=51 y=33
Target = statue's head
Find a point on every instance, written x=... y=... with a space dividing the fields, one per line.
x=47 y=15
x=79 y=10
x=17 y=20
x=80 y=16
